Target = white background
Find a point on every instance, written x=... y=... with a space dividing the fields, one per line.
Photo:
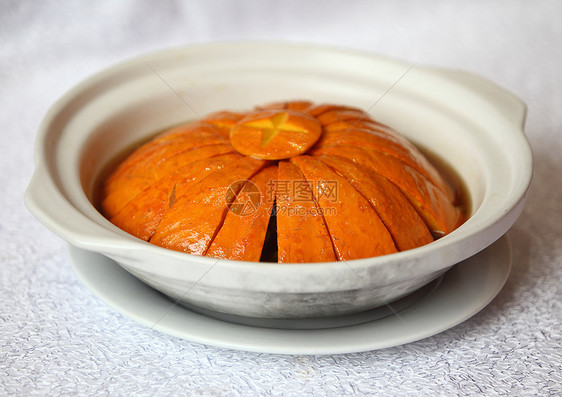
x=57 y=338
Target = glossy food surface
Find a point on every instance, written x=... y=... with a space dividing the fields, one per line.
x=335 y=185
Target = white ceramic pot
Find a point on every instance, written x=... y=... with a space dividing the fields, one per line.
x=474 y=125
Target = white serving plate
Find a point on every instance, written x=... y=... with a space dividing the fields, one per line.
x=464 y=290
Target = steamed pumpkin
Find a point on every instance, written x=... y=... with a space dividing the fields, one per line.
x=311 y=183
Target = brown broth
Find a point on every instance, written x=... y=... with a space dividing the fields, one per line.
x=452 y=178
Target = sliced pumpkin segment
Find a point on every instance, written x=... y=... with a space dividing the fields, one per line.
x=403 y=222
x=200 y=128
x=275 y=134
x=353 y=118
x=157 y=150
x=293 y=105
x=383 y=143
x=333 y=116
x=194 y=218
x=367 y=123
x=242 y=234
x=440 y=215
x=143 y=214
x=223 y=121
x=355 y=227
x=160 y=153
x=119 y=192
x=273 y=106
x=302 y=235
x=317 y=110
x=298 y=105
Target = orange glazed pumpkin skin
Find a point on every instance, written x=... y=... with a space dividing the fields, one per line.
x=342 y=187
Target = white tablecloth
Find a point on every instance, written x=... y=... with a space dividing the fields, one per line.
x=57 y=338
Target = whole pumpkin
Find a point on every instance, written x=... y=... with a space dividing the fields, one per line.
x=310 y=183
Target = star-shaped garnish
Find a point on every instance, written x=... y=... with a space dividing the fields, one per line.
x=275 y=134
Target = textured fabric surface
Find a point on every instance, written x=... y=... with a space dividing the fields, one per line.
x=57 y=338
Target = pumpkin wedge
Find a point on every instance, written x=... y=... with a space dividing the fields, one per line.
x=302 y=235
x=243 y=232
x=120 y=191
x=319 y=110
x=432 y=204
x=143 y=214
x=406 y=227
x=194 y=218
x=156 y=151
x=355 y=228
x=388 y=145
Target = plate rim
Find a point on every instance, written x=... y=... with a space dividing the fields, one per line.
x=496 y=259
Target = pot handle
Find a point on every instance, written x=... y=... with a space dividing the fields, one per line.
x=45 y=200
